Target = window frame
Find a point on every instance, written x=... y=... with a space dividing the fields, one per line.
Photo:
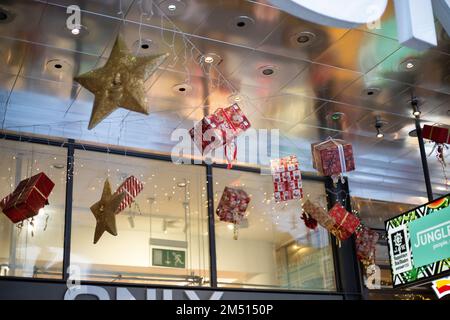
x=71 y=145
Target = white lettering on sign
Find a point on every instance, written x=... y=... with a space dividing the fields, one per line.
x=415 y=18
x=124 y=294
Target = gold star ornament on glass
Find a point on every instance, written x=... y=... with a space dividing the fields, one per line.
x=105 y=212
x=120 y=83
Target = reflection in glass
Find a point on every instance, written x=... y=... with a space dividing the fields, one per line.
x=274 y=248
x=33 y=249
x=162 y=238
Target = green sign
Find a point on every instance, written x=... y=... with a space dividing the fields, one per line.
x=430 y=237
x=169 y=258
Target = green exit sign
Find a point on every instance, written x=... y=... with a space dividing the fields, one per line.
x=168 y=258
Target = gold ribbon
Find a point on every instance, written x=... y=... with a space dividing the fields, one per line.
x=22 y=191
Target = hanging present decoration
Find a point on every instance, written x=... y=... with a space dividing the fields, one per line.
x=366 y=240
x=320 y=215
x=333 y=157
x=436 y=134
x=232 y=207
x=28 y=198
x=346 y=222
x=287 y=179
x=441 y=137
x=309 y=221
x=220 y=129
x=120 y=83
x=105 y=210
x=131 y=187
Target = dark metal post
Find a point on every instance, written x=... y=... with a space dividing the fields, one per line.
x=348 y=268
x=211 y=227
x=68 y=208
x=423 y=157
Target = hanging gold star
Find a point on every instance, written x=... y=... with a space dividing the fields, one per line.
x=105 y=212
x=120 y=83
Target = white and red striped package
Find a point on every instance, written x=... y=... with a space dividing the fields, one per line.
x=287 y=179
x=131 y=187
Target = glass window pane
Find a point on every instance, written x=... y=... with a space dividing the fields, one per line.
x=162 y=238
x=34 y=249
x=274 y=249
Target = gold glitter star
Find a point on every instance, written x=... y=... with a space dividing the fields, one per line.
x=120 y=83
x=105 y=212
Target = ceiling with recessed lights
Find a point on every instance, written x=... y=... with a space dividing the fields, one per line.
x=307 y=80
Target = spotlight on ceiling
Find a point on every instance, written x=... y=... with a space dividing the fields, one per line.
x=379 y=123
x=415 y=106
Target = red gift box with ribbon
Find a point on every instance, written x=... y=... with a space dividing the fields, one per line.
x=333 y=157
x=220 y=129
x=436 y=134
x=346 y=222
x=287 y=179
x=28 y=198
x=131 y=187
x=366 y=240
x=233 y=205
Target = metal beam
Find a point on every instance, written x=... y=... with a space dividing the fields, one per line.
x=423 y=157
x=68 y=209
x=211 y=228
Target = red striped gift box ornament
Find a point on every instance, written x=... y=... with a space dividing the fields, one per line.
x=131 y=187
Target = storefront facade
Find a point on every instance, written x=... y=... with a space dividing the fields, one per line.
x=273 y=253
x=293 y=79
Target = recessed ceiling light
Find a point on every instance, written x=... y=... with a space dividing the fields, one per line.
x=144 y=47
x=173 y=7
x=336 y=116
x=409 y=64
x=6 y=15
x=267 y=70
x=234 y=98
x=241 y=22
x=303 y=39
x=58 y=65
x=182 y=88
x=79 y=31
x=371 y=92
x=210 y=58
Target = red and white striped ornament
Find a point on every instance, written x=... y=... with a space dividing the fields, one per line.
x=131 y=187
